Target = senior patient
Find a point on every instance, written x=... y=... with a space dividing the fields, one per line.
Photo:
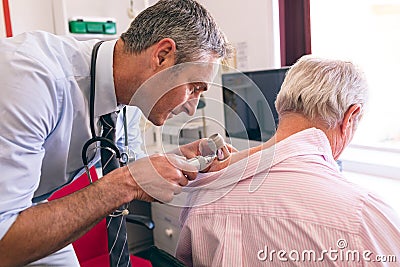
x=303 y=211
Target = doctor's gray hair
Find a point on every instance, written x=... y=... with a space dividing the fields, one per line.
x=189 y=24
x=322 y=89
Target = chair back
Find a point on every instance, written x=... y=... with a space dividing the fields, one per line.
x=92 y=248
x=93 y=244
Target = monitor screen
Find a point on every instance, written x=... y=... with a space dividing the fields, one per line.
x=249 y=103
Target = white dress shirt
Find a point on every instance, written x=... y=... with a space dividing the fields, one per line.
x=135 y=142
x=44 y=112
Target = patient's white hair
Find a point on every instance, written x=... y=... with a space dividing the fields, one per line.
x=322 y=89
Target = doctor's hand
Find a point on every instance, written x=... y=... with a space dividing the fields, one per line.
x=197 y=148
x=238 y=155
x=190 y=150
x=218 y=165
x=161 y=176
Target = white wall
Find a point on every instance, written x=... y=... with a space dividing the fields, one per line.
x=53 y=15
x=251 y=27
x=103 y=8
x=252 y=24
x=27 y=15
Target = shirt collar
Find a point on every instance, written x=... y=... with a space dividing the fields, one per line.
x=306 y=142
x=311 y=141
x=105 y=98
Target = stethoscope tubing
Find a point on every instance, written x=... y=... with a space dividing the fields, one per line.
x=105 y=142
x=110 y=146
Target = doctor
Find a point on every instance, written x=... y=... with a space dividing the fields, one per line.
x=44 y=113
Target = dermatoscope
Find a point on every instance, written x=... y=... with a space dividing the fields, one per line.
x=216 y=145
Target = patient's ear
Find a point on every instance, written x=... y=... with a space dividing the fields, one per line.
x=350 y=116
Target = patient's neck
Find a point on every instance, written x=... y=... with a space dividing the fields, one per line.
x=292 y=123
x=289 y=124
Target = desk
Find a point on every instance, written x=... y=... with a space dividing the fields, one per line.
x=167 y=227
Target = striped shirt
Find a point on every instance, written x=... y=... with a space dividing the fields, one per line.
x=286 y=206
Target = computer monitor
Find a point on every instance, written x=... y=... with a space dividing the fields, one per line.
x=249 y=103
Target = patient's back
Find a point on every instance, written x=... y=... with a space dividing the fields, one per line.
x=304 y=207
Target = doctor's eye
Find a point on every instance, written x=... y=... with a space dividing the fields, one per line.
x=198 y=87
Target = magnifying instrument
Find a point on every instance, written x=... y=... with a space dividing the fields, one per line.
x=218 y=148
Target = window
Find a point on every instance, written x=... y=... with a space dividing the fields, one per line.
x=366 y=32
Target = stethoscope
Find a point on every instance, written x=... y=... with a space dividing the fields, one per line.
x=106 y=143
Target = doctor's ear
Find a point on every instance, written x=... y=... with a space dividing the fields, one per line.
x=351 y=116
x=164 y=53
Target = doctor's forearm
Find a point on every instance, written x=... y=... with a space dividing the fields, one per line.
x=46 y=228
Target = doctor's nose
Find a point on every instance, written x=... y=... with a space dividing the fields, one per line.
x=191 y=106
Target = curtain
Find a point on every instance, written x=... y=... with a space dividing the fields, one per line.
x=295 y=31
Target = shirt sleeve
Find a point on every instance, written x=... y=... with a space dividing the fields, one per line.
x=133 y=115
x=27 y=108
x=380 y=229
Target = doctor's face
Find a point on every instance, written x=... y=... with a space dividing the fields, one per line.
x=183 y=98
x=177 y=90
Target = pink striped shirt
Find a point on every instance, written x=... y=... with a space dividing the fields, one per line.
x=291 y=207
